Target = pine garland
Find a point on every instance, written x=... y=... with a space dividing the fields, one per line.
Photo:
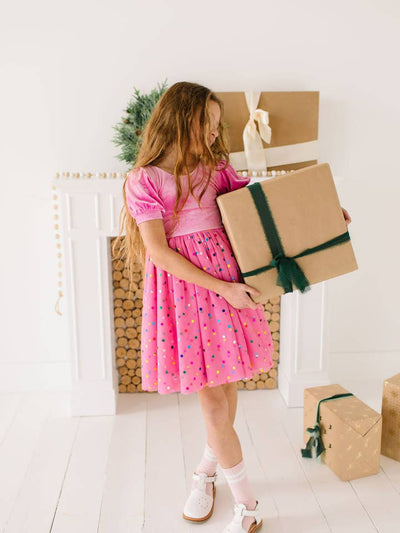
x=129 y=128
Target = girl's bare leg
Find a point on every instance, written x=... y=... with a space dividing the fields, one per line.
x=219 y=405
x=219 y=409
x=231 y=394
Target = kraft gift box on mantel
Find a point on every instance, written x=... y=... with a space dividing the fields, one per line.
x=271 y=129
x=390 y=445
x=343 y=431
x=288 y=232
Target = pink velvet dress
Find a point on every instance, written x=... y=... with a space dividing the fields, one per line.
x=192 y=337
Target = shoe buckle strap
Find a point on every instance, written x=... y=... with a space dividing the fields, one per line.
x=249 y=512
x=204 y=479
x=242 y=511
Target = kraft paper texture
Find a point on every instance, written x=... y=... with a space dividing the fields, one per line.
x=307 y=212
x=351 y=432
x=293 y=118
x=391 y=418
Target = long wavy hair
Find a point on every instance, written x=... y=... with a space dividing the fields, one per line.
x=173 y=124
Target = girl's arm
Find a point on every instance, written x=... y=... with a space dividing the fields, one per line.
x=155 y=241
x=153 y=235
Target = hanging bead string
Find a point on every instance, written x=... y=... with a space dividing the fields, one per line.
x=107 y=175
x=56 y=217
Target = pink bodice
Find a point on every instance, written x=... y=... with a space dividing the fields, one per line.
x=151 y=194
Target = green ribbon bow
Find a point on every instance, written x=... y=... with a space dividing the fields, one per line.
x=289 y=271
x=316 y=440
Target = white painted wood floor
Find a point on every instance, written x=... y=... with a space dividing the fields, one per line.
x=132 y=472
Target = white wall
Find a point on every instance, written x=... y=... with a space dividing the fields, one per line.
x=69 y=68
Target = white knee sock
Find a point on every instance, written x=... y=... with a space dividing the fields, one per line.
x=208 y=464
x=237 y=479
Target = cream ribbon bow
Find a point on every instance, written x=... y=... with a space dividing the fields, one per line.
x=253 y=147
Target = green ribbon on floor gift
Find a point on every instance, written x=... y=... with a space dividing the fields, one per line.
x=316 y=440
x=289 y=272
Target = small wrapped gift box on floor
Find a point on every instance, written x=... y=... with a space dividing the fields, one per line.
x=288 y=232
x=390 y=445
x=343 y=431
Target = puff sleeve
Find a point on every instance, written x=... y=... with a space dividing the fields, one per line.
x=142 y=197
x=230 y=180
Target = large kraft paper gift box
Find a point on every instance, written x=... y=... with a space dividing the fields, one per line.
x=390 y=445
x=288 y=232
x=345 y=432
x=274 y=130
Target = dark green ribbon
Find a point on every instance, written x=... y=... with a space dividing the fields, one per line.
x=289 y=271
x=316 y=440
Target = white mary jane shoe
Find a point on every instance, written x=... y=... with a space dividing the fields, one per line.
x=200 y=505
x=240 y=511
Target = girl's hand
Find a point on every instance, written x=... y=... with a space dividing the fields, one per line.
x=346 y=216
x=235 y=293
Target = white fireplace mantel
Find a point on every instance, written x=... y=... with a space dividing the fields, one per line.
x=90 y=205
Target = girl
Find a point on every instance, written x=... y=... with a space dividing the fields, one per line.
x=201 y=331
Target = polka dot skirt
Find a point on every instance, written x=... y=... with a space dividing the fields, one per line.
x=191 y=336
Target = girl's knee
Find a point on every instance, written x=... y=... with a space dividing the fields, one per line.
x=228 y=387
x=214 y=403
